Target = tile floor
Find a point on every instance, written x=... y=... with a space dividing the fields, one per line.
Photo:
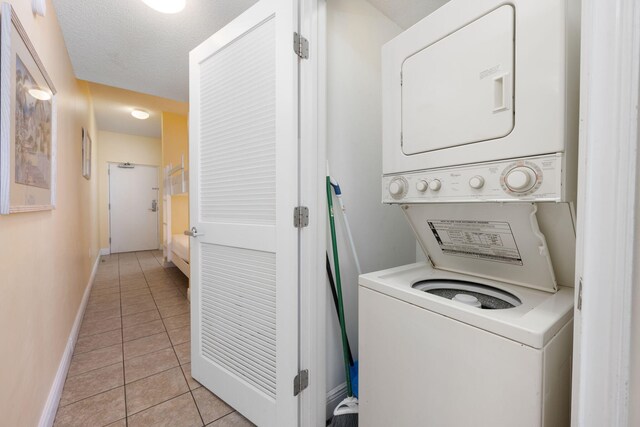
x=131 y=364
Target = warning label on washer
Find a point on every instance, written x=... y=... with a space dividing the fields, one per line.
x=487 y=240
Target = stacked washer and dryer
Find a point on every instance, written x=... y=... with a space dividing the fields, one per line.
x=480 y=133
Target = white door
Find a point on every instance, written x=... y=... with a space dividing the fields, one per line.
x=133 y=207
x=243 y=189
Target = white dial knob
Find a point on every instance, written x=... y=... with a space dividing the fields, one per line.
x=435 y=185
x=520 y=178
x=396 y=187
x=476 y=182
x=422 y=186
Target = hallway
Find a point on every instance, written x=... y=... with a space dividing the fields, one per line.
x=131 y=363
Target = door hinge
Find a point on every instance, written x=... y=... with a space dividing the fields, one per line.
x=300 y=216
x=300 y=46
x=109 y=239
x=109 y=205
x=300 y=382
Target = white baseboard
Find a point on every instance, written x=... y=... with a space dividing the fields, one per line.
x=51 y=406
x=334 y=397
x=105 y=251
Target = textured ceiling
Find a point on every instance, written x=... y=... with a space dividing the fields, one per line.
x=113 y=107
x=126 y=44
x=405 y=13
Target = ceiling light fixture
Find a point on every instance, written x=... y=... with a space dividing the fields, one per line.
x=166 y=6
x=40 y=94
x=140 y=114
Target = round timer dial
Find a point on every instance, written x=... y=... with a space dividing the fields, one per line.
x=398 y=187
x=521 y=178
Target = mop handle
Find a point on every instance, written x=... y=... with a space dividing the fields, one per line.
x=352 y=245
x=336 y=263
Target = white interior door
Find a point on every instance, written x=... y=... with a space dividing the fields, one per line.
x=133 y=207
x=243 y=189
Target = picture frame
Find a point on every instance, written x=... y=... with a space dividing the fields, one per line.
x=86 y=154
x=28 y=125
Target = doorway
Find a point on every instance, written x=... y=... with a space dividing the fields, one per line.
x=133 y=207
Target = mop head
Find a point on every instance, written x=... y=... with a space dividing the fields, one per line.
x=346 y=413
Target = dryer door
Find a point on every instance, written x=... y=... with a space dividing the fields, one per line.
x=459 y=90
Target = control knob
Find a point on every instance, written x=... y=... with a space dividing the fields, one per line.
x=397 y=187
x=520 y=179
x=435 y=185
x=476 y=182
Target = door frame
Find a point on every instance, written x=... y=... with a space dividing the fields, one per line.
x=160 y=204
x=606 y=367
x=313 y=157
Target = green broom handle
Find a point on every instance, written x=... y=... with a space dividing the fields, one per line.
x=336 y=263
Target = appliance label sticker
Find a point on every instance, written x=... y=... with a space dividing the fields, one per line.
x=486 y=240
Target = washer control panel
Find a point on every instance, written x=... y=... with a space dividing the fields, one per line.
x=531 y=179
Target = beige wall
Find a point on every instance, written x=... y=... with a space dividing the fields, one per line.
x=46 y=257
x=119 y=148
x=175 y=143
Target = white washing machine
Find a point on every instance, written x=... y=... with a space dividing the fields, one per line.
x=489 y=347
x=426 y=360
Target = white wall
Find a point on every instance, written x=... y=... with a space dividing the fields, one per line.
x=355 y=33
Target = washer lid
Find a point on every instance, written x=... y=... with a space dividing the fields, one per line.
x=497 y=241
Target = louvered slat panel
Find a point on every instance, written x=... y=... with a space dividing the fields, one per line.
x=237 y=131
x=239 y=313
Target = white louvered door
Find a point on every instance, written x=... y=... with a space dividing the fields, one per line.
x=243 y=189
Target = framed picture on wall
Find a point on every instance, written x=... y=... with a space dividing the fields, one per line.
x=86 y=154
x=27 y=123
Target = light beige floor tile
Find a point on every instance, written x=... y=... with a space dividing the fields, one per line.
x=119 y=423
x=99 y=410
x=155 y=389
x=133 y=285
x=180 y=411
x=170 y=300
x=143 y=330
x=149 y=364
x=135 y=292
x=234 y=419
x=104 y=298
x=91 y=383
x=146 y=345
x=105 y=290
x=84 y=362
x=174 y=310
x=211 y=406
x=94 y=316
x=193 y=384
x=99 y=326
x=180 y=335
x=138 y=318
x=159 y=293
x=94 y=342
x=135 y=300
x=102 y=306
x=138 y=308
x=178 y=321
x=183 y=351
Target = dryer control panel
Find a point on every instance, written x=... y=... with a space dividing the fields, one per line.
x=530 y=179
